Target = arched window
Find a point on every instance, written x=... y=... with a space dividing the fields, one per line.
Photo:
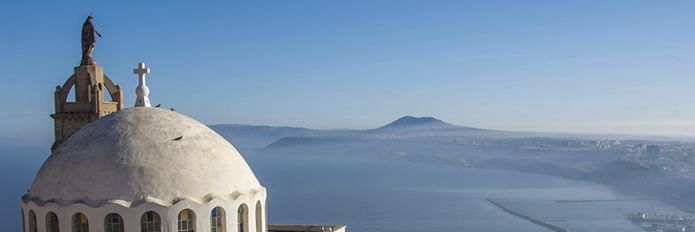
x=259 y=217
x=113 y=223
x=79 y=223
x=243 y=218
x=150 y=222
x=52 y=222
x=217 y=220
x=32 y=221
x=24 y=228
x=186 y=221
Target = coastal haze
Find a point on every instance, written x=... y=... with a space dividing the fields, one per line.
x=587 y=182
x=655 y=167
x=424 y=174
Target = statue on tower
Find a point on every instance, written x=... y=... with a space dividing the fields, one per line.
x=88 y=40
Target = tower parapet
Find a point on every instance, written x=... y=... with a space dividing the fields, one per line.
x=90 y=84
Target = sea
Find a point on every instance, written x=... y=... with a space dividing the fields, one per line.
x=385 y=195
x=389 y=196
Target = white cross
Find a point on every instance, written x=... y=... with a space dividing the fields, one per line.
x=142 y=91
x=141 y=71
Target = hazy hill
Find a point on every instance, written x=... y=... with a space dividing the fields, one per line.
x=405 y=128
x=631 y=177
x=247 y=136
x=415 y=124
x=253 y=137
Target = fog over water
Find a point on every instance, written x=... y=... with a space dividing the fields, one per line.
x=18 y=167
x=374 y=195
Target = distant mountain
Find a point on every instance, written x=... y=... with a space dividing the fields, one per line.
x=240 y=130
x=411 y=124
x=247 y=136
x=410 y=121
x=252 y=137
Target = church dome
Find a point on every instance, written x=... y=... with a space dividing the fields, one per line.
x=139 y=155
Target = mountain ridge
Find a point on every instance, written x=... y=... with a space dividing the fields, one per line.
x=259 y=136
x=249 y=136
x=413 y=121
x=410 y=123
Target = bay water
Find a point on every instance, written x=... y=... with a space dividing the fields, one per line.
x=383 y=195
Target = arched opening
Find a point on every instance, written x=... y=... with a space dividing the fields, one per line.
x=105 y=93
x=32 y=221
x=80 y=223
x=243 y=218
x=217 y=220
x=113 y=223
x=71 y=96
x=259 y=217
x=24 y=228
x=186 y=221
x=52 y=222
x=150 y=222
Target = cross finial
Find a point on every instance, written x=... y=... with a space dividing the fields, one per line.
x=142 y=91
x=141 y=71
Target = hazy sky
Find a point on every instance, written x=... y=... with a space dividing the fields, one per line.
x=555 y=66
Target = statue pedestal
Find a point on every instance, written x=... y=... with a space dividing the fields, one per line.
x=88 y=61
x=86 y=76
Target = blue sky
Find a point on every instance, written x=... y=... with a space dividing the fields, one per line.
x=553 y=66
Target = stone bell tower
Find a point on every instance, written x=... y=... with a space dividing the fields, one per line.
x=89 y=84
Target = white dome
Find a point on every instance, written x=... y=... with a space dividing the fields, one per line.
x=139 y=155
